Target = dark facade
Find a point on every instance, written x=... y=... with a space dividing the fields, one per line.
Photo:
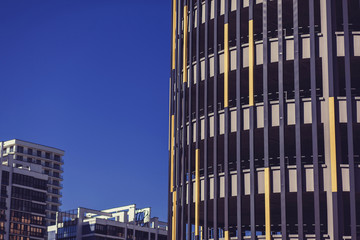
x=265 y=119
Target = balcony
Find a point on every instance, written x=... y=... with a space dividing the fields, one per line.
x=58 y=168
x=54 y=200
x=57 y=176
x=54 y=191
x=55 y=184
x=52 y=208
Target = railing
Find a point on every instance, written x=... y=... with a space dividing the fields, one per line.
x=55 y=184
x=57 y=176
x=54 y=200
x=54 y=191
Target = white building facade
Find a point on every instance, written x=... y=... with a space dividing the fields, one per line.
x=50 y=162
x=117 y=223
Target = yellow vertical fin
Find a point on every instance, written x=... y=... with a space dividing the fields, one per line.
x=172 y=154
x=226 y=65
x=332 y=144
x=174 y=217
x=267 y=203
x=251 y=63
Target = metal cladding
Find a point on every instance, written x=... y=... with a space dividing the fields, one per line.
x=265 y=120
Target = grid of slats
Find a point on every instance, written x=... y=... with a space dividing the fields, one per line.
x=219 y=81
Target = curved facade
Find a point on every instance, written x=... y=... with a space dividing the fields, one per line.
x=265 y=119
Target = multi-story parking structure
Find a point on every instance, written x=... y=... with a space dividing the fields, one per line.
x=51 y=161
x=265 y=119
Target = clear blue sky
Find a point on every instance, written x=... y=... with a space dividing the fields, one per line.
x=91 y=77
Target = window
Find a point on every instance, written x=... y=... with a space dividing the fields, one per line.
x=29 y=181
x=3 y=191
x=57 y=157
x=38 y=153
x=4 y=150
x=29 y=159
x=47 y=155
x=11 y=148
x=47 y=164
x=19 y=157
x=30 y=151
x=20 y=149
x=5 y=178
x=38 y=161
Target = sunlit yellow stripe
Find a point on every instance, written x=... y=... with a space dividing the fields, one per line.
x=174 y=217
x=172 y=154
x=201 y=232
x=267 y=203
x=227 y=235
x=332 y=144
x=251 y=63
x=185 y=43
x=174 y=34
x=226 y=65
x=197 y=191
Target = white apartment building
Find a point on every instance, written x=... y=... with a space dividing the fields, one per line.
x=50 y=159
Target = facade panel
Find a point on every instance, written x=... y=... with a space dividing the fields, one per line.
x=276 y=153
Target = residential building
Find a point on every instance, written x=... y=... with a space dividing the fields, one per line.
x=23 y=200
x=50 y=161
x=117 y=223
x=264 y=119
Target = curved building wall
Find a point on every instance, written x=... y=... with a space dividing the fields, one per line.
x=265 y=119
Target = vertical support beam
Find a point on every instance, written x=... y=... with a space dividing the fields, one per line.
x=197 y=193
x=173 y=122
x=238 y=118
x=178 y=146
x=299 y=192
x=314 y=123
x=190 y=149
x=198 y=124
x=173 y=35
x=174 y=217
x=330 y=20
x=206 y=122
x=184 y=130
x=266 y=123
x=252 y=116
x=349 y=109
x=216 y=120
x=185 y=42
x=172 y=154
x=283 y=171
x=227 y=120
